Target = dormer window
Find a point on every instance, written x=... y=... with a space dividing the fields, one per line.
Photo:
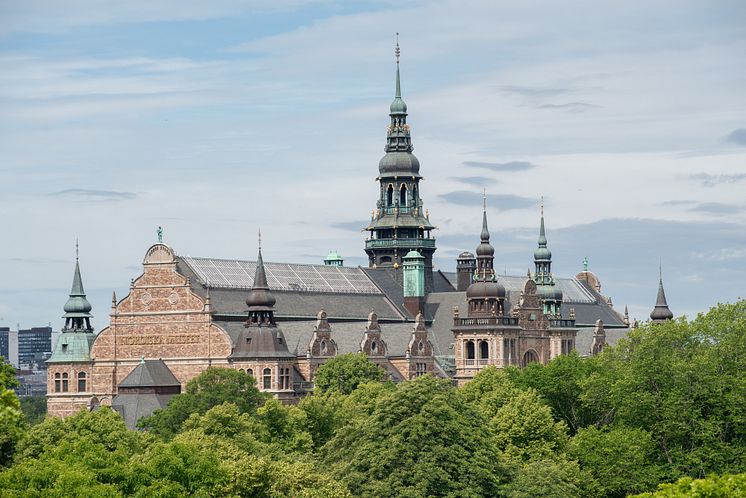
x=248 y=340
x=279 y=340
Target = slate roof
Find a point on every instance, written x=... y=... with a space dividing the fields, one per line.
x=298 y=304
x=150 y=373
x=133 y=406
x=584 y=338
x=347 y=335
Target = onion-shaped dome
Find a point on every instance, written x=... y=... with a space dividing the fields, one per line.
x=542 y=254
x=485 y=290
x=77 y=304
x=260 y=296
x=466 y=255
x=398 y=106
x=550 y=292
x=485 y=249
x=399 y=162
x=414 y=255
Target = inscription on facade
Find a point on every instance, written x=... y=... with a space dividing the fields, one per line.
x=149 y=340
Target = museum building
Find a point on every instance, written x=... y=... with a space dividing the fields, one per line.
x=280 y=321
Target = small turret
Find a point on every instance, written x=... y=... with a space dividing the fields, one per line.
x=548 y=291
x=661 y=313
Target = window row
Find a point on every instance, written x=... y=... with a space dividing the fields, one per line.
x=284 y=377
x=62 y=382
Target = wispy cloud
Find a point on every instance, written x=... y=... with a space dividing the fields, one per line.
x=570 y=106
x=95 y=195
x=709 y=180
x=678 y=203
x=528 y=91
x=737 y=136
x=716 y=208
x=509 y=166
x=500 y=202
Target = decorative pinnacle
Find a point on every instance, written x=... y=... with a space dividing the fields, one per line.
x=397 y=50
x=160 y=235
x=585 y=263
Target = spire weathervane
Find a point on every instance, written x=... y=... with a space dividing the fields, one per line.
x=160 y=234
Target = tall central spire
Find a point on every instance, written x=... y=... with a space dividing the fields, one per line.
x=400 y=224
x=485 y=252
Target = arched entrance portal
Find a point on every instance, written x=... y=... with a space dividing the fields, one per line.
x=530 y=356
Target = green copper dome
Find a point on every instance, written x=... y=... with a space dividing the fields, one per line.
x=414 y=255
x=542 y=253
x=404 y=163
x=549 y=292
x=333 y=256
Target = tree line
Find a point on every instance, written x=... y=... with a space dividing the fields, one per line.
x=661 y=414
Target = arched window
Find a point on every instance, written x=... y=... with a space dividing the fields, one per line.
x=390 y=196
x=373 y=347
x=403 y=195
x=267 y=379
x=530 y=357
x=469 y=350
x=484 y=350
x=57 y=384
x=414 y=196
x=81 y=382
x=421 y=347
x=65 y=383
x=241 y=370
x=323 y=347
x=250 y=372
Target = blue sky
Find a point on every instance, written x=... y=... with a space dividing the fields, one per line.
x=215 y=118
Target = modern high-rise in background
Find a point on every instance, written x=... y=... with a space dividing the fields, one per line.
x=5 y=343
x=34 y=346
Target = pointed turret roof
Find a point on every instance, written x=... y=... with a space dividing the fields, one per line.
x=260 y=298
x=542 y=253
x=77 y=304
x=661 y=312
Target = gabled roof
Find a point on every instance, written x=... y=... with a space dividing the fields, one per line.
x=150 y=373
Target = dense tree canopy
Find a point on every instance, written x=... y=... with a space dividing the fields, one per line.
x=345 y=372
x=666 y=405
x=212 y=387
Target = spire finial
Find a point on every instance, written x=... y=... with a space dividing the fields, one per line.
x=585 y=264
x=397 y=50
x=542 y=206
x=660 y=270
x=260 y=240
x=76 y=249
x=160 y=234
x=484 y=199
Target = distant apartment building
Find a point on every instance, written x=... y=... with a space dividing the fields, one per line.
x=5 y=343
x=34 y=347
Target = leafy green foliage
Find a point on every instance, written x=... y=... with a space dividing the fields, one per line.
x=212 y=387
x=621 y=459
x=34 y=408
x=421 y=439
x=8 y=379
x=345 y=372
x=12 y=424
x=670 y=401
x=726 y=486
x=685 y=383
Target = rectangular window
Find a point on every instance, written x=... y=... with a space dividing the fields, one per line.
x=65 y=383
x=420 y=369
